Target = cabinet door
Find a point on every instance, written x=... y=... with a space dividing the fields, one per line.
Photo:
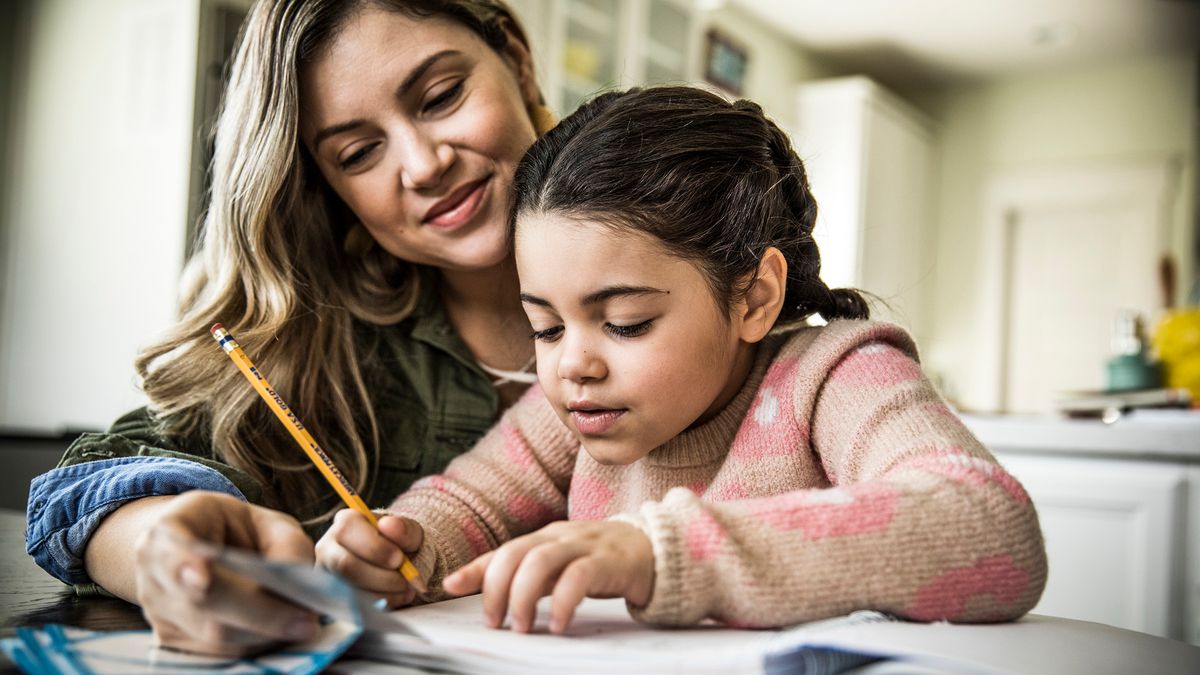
x=1115 y=537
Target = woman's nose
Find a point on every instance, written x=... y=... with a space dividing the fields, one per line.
x=424 y=161
x=580 y=362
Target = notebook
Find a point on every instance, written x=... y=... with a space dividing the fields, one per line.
x=451 y=637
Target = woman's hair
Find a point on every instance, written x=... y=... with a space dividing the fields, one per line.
x=715 y=182
x=273 y=268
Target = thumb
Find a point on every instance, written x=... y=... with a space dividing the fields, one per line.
x=280 y=537
x=403 y=532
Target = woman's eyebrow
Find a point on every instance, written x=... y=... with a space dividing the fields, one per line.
x=411 y=79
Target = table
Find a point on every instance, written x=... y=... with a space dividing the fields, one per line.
x=29 y=596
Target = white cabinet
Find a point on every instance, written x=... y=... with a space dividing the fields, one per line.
x=869 y=158
x=1121 y=520
x=586 y=46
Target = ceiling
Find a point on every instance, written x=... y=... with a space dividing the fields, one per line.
x=940 y=42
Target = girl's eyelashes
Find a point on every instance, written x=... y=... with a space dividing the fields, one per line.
x=445 y=98
x=630 y=331
x=547 y=335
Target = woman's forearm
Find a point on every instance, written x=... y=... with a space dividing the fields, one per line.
x=111 y=552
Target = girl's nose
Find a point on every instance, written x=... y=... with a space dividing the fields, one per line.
x=578 y=362
x=424 y=162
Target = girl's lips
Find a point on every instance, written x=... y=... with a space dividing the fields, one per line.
x=595 y=422
x=463 y=211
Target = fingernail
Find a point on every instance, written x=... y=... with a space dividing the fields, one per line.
x=191 y=578
x=555 y=626
x=300 y=629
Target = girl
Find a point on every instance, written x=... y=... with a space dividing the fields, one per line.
x=355 y=241
x=693 y=446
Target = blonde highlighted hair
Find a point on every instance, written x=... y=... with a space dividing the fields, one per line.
x=272 y=266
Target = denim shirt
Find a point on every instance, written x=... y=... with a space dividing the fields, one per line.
x=434 y=402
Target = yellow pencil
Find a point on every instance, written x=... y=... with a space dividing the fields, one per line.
x=305 y=440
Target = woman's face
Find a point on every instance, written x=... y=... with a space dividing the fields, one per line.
x=418 y=126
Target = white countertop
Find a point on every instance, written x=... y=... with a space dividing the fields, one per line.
x=1172 y=435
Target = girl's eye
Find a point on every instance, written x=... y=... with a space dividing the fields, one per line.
x=547 y=335
x=445 y=98
x=357 y=156
x=631 y=331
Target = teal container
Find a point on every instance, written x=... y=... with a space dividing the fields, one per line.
x=1131 y=372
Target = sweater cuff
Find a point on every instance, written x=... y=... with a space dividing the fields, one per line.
x=682 y=585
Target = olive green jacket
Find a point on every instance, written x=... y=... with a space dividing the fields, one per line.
x=432 y=402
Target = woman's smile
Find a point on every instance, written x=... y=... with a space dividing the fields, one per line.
x=457 y=208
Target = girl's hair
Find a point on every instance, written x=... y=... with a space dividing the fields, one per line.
x=272 y=267
x=715 y=182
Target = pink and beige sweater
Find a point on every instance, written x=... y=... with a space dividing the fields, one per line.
x=835 y=480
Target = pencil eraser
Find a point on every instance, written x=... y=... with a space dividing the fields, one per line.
x=216 y=327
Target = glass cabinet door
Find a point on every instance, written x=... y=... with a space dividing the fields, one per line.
x=665 y=50
x=590 y=50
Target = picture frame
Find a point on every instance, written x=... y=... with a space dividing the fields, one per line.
x=725 y=62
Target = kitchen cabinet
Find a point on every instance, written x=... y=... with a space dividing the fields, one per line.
x=869 y=156
x=595 y=45
x=1119 y=507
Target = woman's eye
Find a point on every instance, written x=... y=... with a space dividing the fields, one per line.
x=445 y=98
x=630 y=331
x=547 y=335
x=357 y=156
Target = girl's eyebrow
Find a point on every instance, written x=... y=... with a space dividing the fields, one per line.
x=411 y=79
x=606 y=293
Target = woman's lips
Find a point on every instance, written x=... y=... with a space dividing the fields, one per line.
x=595 y=422
x=459 y=207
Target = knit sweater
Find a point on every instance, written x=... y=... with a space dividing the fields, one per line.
x=835 y=480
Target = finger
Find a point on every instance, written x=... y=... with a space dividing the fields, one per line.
x=469 y=578
x=169 y=557
x=497 y=578
x=354 y=533
x=280 y=536
x=573 y=586
x=365 y=575
x=535 y=577
x=403 y=532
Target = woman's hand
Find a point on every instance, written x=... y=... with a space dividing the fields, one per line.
x=190 y=603
x=370 y=558
x=568 y=560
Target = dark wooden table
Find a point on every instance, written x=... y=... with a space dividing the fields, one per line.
x=31 y=597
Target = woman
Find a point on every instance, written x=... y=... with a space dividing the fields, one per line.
x=355 y=245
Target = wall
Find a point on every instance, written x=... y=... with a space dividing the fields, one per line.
x=94 y=214
x=775 y=64
x=1136 y=111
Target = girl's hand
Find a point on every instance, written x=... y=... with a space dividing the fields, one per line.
x=568 y=560
x=368 y=557
x=193 y=605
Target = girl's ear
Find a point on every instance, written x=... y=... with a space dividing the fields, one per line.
x=520 y=60
x=764 y=300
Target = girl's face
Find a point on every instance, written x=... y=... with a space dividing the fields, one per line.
x=632 y=348
x=418 y=126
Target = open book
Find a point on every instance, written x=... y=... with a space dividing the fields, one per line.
x=451 y=637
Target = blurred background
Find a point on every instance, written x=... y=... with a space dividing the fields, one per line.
x=1016 y=181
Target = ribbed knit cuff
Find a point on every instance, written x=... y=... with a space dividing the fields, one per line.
x=679 y=596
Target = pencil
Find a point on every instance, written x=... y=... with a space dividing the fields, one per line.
x=306 y=441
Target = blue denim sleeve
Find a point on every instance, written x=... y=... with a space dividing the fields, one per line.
x=67 y=504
